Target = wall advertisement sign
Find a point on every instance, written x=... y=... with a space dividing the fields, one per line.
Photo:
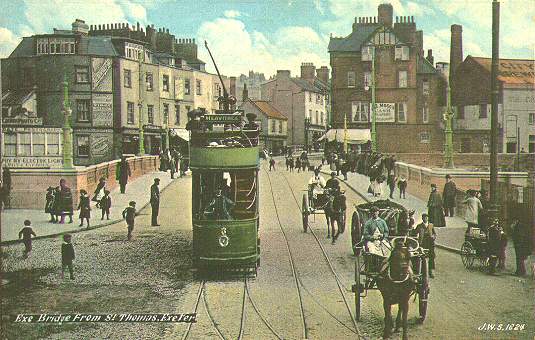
x=385 y=112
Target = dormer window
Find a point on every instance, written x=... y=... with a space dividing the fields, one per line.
x=55 y=45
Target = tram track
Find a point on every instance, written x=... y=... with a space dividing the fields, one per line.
x=356 y=330
x=339 y=283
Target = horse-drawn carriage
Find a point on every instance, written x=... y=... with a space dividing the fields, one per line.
x=399 y=275
x=318 y=204
x=475 y=247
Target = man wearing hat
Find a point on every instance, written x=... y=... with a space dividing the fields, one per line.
x=155 y=201
x=375 y=232
x=332 y=182
x=450 y=190
x=473 y=208
x=435 y=208
x=426 y=235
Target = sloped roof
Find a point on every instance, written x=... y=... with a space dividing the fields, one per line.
x=24 y=48
x=511 y=71
x=269 y=110
x=352 y=42
x=307 y=85
x=100 y=45
x=424 y=66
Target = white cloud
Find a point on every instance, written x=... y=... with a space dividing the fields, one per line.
x=8 y=42
x=319 y=7
x=238 y=50
x=232 y=13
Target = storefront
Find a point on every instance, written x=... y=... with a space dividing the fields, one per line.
x=153 y=139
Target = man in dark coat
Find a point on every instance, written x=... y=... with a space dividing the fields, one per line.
x=495 y=235
x=65 y=205
x=391 y=181
x=338 y=213
x=435 y=208
x=450 y=191
x=123 y=174
x=521 y=241
x=426 y=238
x=155 y=201
x=67 y=255
x=5 y=190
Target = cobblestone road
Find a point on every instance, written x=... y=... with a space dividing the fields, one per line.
x=152 y=274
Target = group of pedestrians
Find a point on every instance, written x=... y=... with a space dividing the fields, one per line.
x=172 y=160
x=300 y=163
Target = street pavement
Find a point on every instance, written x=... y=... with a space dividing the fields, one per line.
x=137 y=190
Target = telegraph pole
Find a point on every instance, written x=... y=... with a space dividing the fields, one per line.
x=374 y=128
x=494 y=110
x=67 y=130
x=448 y=117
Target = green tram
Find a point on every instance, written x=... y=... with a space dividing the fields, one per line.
x=224 y=160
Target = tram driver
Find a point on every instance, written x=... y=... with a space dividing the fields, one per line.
x=375 y=234
x=220 y=207
x=316 y=184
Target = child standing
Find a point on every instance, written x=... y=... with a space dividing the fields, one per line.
x=26 y=233
x=105 y=204
x=67 y=255
x=85 y=209
x=129 y=214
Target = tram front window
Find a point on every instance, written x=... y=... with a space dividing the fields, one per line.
x=225 y=195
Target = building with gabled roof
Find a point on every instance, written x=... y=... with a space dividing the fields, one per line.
x=407 y=86
x=273 y=124
x=471 y=94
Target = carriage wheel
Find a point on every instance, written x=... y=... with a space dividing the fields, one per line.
x=357 y=289
x=467 y=254
x=305 y=211
x=355 y=232
x=423 y=291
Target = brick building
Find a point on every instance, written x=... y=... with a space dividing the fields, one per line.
x=471 y=93
x=407 y=85
x=121 y=79
x=300 y=98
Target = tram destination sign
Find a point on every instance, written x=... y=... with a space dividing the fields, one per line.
x=223 y=119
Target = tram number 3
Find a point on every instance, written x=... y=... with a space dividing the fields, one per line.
x=223 y=238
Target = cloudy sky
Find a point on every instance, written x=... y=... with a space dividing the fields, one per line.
x=266 y=35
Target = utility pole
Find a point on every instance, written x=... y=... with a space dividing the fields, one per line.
x=374 y=128
x=67 y=130
x=494 y=213
x=141 y=144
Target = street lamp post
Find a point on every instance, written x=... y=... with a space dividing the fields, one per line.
x=448 y=131
x=141 y=144
x=67 y=130
x=307 y=126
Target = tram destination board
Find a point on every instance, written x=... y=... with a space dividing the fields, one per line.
x=223 y=119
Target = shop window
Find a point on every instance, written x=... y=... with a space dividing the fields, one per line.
x=25 y=144
x=127 y=78
x=531 y=146
x=10 y=144
x=177 y=114
x=82 y=145
x=38 y=140
x=150 y=114
x=130 y=113
x=82 y=110
x=82 y=74
x=52 y=144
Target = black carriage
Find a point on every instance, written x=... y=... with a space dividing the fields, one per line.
x=316 y=206
x=475 y=249
x=368 y=266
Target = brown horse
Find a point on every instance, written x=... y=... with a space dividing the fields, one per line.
x=396 y=285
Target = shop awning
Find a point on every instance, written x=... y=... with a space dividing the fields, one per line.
x=181 y=133
x=354 y=136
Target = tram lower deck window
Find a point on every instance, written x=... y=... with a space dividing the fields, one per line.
x=225 y=195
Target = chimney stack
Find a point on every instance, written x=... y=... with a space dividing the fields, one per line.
x=245 y=93
x=283 y=74
x=430 y=57
x=308 y=71
x=323 y=74
x=456 y=48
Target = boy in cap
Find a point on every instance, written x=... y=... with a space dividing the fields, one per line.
x=26 y=234
x=129 y=214
x=105 y=204
x=67 y=255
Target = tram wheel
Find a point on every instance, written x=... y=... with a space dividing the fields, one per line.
x=305 y=211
